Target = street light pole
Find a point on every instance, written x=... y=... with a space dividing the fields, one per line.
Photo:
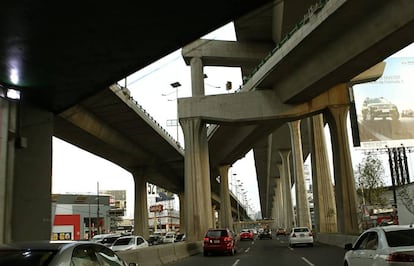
x=175 y=85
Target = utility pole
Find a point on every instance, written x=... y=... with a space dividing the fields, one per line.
x=97 y=211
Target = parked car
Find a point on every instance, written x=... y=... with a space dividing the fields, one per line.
x=379 y=108
x=109 y=240
x=219 y=241
x=169 y=237
x=154 y=240
x=246 y=234
x=179 y=238
x=265 y=234
x=129 y=242
x=281 y=232
x=300 y=236
x=382 y=245
x=62 y=253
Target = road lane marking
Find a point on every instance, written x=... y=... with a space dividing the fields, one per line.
x=308 y=262
x=236 y=262
x=247 y=250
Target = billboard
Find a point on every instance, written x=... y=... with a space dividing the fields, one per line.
x=385 y=107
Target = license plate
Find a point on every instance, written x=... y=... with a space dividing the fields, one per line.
x=385 y=110
x=216 y=241
x=302 y=235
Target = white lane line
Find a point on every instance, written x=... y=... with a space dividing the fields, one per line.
x=236 y=262
x=308 y=262
x=247 y=250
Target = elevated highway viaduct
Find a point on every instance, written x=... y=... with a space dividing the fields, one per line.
x=304 y=52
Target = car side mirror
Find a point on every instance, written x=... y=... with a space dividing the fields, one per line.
x=348 y=246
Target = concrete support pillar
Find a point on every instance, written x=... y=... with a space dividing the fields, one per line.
x=343 y=172
x=197 y=179
x=7 y=130
x=141 y=205
x=289 y=213
x=182 y=212
x=279 y=203
x=323 y=194
x=302 y=203
x=282 y=197
x=29 y=185
x=274 y=211
x=225 y=207
x=197 y=77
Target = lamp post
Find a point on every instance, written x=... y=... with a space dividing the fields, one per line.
x=175 y=85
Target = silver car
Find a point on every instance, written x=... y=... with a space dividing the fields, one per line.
x=382 y=245
x=62 y=253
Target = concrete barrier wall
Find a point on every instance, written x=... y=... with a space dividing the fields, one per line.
x=338 y=240
x=161 y=254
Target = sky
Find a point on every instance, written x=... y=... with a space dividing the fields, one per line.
x=78 y=171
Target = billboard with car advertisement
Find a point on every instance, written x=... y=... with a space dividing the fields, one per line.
x=385 y=107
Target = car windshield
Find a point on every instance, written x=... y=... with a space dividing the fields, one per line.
x=400 y=238
x=124 y=241
x=26 y=257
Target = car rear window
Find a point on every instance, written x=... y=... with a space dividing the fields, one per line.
x=299 y=230
x=216 y=233
x=123 y=241
x=400 y=238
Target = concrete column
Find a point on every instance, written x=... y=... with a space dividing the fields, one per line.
x=282 y=197
x=225 y=207
x=197 y=179
x=182 y=212
x=279 y=203
x=7 y=127
x=302 y=203
x=290 y=221
x=30 y=184
x=323 y=194
x=141 y=205
x=197 y=77
x=343 y=172
x=274 y=211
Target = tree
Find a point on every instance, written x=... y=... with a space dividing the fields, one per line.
x=371 y=180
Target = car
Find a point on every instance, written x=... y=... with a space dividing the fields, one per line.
x=379 y=108
x=179 y=238
x=129 y=243
x=265 y=234
x=382 y=245
x=300 y=236
x=246 y=234
x=109 y=240
x=169 y=237
x=281 y=232
x=62 y=253
x=219 y=240
x=154 y=240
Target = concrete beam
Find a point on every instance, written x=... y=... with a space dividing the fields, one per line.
x=255 y=106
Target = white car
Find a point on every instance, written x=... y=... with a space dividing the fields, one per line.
x=59 y=253
x=382 y=245
x=300 y=236
x=129 y=243
x=169 y=237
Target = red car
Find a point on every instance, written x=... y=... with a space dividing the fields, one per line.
x=219 y=241
x=246 y=234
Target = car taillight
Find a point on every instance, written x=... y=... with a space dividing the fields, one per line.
x=400 y=257
x=310 y=234
x=227 y=239
x=206 y=239
x=293 y=235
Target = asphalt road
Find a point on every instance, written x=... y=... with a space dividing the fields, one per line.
x=271 y=252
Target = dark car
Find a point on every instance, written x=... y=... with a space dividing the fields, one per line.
x=219 y=241
x=109 y=240
x=58 y=253
x=379 y=108
x=179 y=238
x=154 y=240
x=265 y=234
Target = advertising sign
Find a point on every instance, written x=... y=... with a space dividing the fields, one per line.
x=385 y=108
